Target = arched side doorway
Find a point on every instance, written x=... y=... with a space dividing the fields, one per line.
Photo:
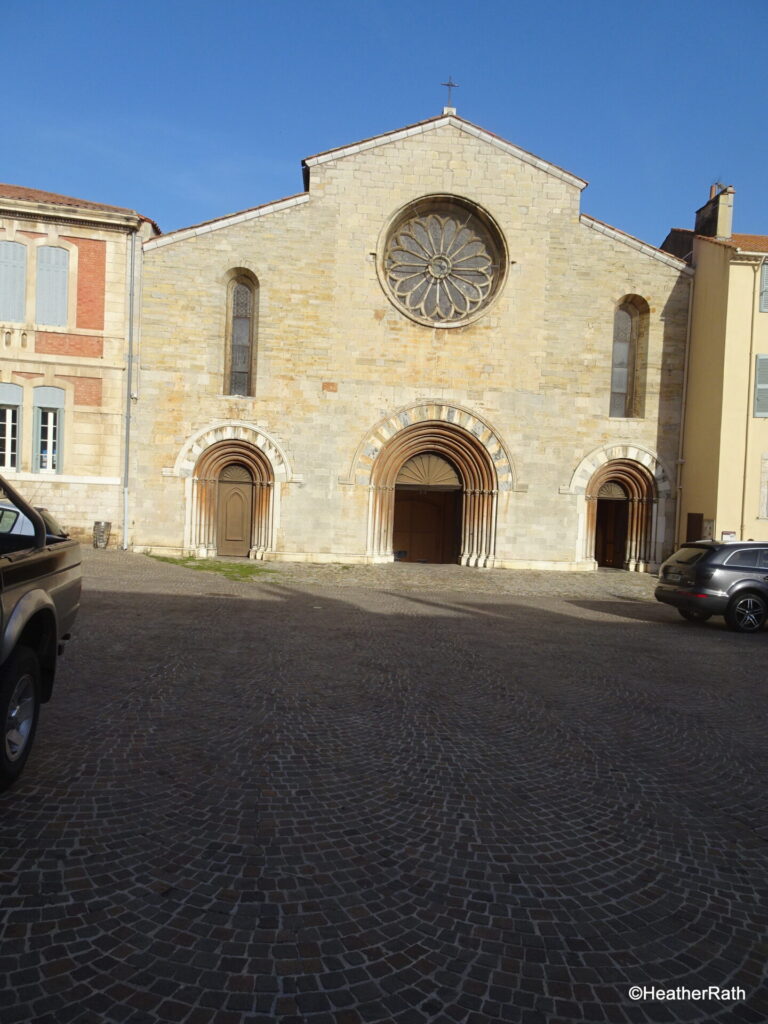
x=427 y=516
x=620 y=501
x=232 y=500
x=475 y=496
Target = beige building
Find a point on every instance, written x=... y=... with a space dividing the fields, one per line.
x=724 y=477
x=68 y=271
x=428 y=354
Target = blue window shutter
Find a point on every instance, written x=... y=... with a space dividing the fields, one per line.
x=761 y=386
x=52 y=281
x=13 y=280
x=764 y=288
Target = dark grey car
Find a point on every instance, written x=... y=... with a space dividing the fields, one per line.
x=706 y=578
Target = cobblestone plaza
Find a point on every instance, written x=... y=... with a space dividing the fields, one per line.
x=404 y=793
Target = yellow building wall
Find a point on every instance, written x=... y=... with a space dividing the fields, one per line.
x=704 y=398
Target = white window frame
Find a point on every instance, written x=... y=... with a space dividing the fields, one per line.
x=11 y=404
x=10 y=422
x=48 y=430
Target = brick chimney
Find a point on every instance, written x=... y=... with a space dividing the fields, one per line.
x=715 y=218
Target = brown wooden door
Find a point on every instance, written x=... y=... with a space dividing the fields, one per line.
x=234 y=527
x=611 y=532
x=426 y=526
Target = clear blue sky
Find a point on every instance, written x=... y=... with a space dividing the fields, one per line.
x=191 y=110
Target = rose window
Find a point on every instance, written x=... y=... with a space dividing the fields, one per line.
x=442 y=262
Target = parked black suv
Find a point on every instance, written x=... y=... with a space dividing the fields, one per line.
x=707 y=577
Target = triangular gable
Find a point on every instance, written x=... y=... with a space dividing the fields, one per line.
x=359 y=147
x=439 y=122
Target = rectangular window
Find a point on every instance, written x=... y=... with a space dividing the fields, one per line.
x=52 y=282
x=761 y=386
x=47 y=455
x=764 y=288
x=9 y=437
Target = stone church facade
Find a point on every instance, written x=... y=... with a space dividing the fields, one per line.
x=429 y=354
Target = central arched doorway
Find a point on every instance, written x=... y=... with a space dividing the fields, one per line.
x=460 y=527
x=427 y=515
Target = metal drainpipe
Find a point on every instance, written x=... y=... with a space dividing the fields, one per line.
x=683 y=404
x=750 y=386
x=129 y=389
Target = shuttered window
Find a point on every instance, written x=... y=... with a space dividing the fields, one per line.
x=13 y=280
x=761 y=386
x=764 y=288
x=52 y=282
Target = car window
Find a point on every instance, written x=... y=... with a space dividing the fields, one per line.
x=689 y=555
x=51 y=525
x=763 y=561
x=746 y=557
x=8 y=517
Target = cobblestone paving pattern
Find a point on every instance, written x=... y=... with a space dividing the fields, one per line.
x=399 y=793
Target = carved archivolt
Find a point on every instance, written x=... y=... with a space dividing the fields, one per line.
x=212 y=452
x=584 y=472
x=235 y=431
x=482 y=468
x=443 y=417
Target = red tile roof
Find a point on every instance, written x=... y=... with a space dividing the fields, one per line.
x=36 y=195
x=751 y=243
x=744 y=243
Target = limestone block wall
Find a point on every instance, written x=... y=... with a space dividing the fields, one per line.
x=335 y=356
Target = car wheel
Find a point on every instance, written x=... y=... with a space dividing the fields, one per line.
x=747 y=613
x=695 y=614
x=19 y=710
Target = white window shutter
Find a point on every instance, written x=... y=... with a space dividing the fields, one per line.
x=764 y=288
x=52 y=281
x=13 y=280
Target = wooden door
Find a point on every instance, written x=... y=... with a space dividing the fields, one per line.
x=426 y=526
x=611 y=532
x=234 y=526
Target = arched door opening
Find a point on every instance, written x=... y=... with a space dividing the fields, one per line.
x=427 y=514
x=234 y=519
x=454 y=518
x=232 y=500
x=611 y=523
x=620 y=499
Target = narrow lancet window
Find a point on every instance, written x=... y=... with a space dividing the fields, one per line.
x=241 y=334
